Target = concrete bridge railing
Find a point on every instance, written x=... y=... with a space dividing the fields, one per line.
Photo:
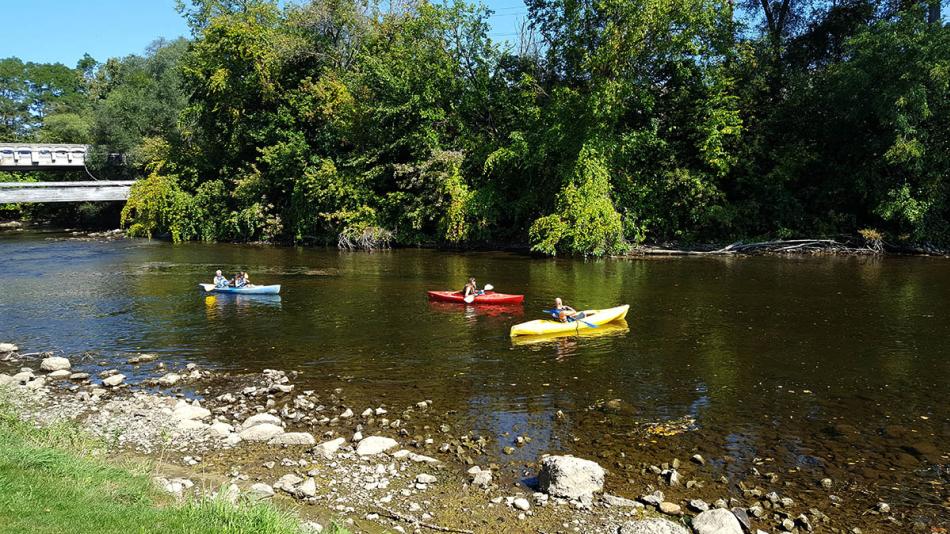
x=41 y=157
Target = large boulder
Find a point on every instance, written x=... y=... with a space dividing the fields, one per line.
x=8 y=347
x=374 y=445
x=570 y=477
x=717 y=521
x=261 y=432
x=55 y=363
x=652 y=526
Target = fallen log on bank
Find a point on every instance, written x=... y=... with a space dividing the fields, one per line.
x=781 y=246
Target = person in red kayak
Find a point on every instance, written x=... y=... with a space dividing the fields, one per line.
x=563 y=312
x=471 y=288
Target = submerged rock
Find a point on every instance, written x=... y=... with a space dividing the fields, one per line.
x=570 y=477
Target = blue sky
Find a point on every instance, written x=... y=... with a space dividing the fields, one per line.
x=63 y=30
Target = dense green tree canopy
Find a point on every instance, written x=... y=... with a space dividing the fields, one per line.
x=613 y=122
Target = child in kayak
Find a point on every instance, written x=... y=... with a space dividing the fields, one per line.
x=563 y=312
x=238 y=280
x=247 y=279
x=220 y=280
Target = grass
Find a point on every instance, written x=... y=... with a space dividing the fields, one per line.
x=56 y=479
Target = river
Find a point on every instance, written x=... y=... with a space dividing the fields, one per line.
x=810 y=367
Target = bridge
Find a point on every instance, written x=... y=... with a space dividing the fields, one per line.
x=96 y=191
x=42 y=157
x=26 y=157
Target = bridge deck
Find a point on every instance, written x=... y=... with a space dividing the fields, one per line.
x=13 y=192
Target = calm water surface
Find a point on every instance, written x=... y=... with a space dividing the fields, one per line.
x=824 y=366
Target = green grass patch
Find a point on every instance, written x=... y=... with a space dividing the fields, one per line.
x=57 y=479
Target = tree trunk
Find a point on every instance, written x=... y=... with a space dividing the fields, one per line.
x=933 y=11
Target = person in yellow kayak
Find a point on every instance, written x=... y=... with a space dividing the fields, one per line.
x=563 y=312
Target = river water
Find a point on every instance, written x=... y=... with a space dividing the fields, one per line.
x=808 y=367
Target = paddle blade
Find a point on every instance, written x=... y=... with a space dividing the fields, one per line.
x=489 y=287
x=207 y=287
x=469 y=299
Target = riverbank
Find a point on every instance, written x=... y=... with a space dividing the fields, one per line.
x=57 y=478
x=387 y=467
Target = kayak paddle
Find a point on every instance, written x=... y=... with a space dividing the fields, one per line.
x=569 y=319
x=471 y=297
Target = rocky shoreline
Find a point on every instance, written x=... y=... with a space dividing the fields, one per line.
x=376 y=468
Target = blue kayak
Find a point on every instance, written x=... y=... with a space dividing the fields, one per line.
x=246 y=290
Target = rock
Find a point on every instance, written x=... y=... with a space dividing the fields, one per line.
x=716 y=521
x=113 y=380
x=307 y=489
x=570 y=477
x=6 y=380
x=743 y=517
x=59 y=375
x=348 y=413
x=620 y=502
x=184 y=411
x=521 y=504
x=8 y=347
x=327 y=448
x=698 y=458
x=479 y=477
x=261 y=432
x=425 y=478
x=699 y=505
x=231 y=494
x=55 y=363
x=652 y=526
x=826 y=483
x=260 y=491
x=23 y=377
x=374 y=445
x=169 y=379
x=883 y=508
x=669 y=508
x=311 y=527
x=221 y=429
x=653 y=499
x=288 y=483
x=293 y=438
x=79 y=376
x=261 y=419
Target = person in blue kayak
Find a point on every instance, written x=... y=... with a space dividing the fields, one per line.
x=564 y=313
x=219 y=279
x=238 y=280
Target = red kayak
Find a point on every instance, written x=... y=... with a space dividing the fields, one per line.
x=488 y=297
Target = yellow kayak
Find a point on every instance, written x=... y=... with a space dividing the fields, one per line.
x=616 y=328
x=549 y=326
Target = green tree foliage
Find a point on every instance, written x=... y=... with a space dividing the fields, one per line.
x=613 y=122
